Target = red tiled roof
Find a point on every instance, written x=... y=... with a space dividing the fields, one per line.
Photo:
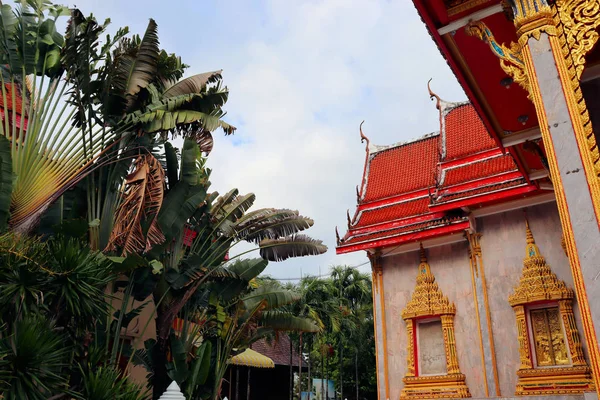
x=402 y=169
x=278 y=351
x=482 y=190
x=393 y=212
x=402 y=230
x=465 y=133
x=18 y=104
x=480 y=169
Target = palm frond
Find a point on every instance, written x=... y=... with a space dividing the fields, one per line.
x=142 y=200
x=140 y=70
x=275 y=227
x=248 y=269
x=193 y=84
x=286 y=321
x=292 y=246
x=270 y=296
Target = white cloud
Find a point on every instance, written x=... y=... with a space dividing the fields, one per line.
x=302 y=75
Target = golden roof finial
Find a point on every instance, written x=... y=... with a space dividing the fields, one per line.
x=363 y=137
x=531 y=250
x=422 y=253
x=349 y=219
x=337 y=236
x=424 y=268
x=432 y=95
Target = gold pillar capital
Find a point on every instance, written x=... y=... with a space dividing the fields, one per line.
x=531 y=17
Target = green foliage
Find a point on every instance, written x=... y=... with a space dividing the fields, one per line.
x=35 y=357
x=6 y=183
x=107 y=383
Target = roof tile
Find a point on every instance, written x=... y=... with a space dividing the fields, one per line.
x=465 y=133
x=393 y=212
x=402 y=169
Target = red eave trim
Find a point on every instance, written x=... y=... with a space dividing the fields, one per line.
x=394 y=199
x=405 y=238
x=483 y=198
x=471 y=159
x=384 y=226
x=457 y=71
x=500 y=178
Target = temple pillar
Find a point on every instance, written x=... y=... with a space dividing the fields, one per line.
x=553 y=56
x=380 y=327
x=483 y=317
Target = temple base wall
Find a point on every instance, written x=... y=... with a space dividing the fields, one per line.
x=502 y=252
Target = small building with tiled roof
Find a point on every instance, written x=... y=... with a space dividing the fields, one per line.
x=443 y=221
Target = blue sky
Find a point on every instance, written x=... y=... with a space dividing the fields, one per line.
x=302 y=76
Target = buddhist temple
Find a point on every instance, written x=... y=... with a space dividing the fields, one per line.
x=484 y=237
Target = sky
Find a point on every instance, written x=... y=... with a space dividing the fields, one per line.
x=302 y=76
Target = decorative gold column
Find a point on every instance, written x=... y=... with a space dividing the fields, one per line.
x=428 y=301
x=523 y=336
x=379 y=320
x=539 y=293
x=548 y=60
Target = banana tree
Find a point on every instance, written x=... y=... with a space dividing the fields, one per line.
x=191 y=232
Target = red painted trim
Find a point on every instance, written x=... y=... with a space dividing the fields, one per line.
x=472 y=158
x=461 y=187
x=394 y=199
x=517 y=160
x=405 y=238
x=483 y=198
x=415 y=350
x=384 y=226
x=456 y=70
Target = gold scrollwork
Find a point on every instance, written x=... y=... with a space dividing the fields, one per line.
x=580 y=19
x=511 y=60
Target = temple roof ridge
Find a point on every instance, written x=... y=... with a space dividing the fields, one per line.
x=374 y=148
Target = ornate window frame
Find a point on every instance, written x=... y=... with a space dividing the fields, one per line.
x=428 y=301
x=540 y=287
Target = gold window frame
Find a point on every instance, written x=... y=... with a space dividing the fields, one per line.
x=428 y=302
x=539 y=287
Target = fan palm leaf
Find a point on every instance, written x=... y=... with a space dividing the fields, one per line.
x=48 y=156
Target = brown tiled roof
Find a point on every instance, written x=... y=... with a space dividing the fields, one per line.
x=278 y=351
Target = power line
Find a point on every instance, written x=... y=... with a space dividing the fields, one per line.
x=318 y=276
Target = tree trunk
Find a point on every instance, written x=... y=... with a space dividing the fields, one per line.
x=237 y=383
x=291 y=370
x=327 y=376
x=356 y=371
x=322 y=372
x=160 y=380
x=248 y=389
x=341 y=369
x=300 y=369
x=309 y=366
